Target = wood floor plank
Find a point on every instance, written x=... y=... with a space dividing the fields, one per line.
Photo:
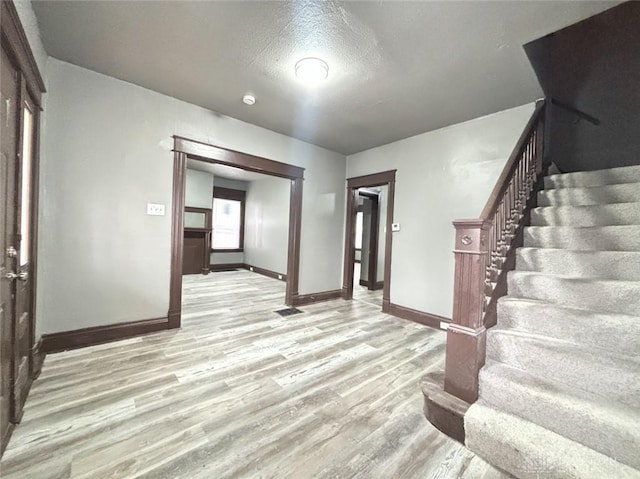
x=241 y=392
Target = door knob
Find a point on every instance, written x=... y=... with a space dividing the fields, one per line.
x=23 y=276
x=11 y=276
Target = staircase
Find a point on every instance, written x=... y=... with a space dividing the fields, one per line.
x=560 y=390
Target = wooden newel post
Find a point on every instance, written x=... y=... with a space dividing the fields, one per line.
x=466 y=336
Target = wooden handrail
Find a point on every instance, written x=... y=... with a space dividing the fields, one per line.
x=485 y=252
x=507 y=172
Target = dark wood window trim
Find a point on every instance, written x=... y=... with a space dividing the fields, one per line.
x=185 y=149
x=235 y=195
x=377 y=179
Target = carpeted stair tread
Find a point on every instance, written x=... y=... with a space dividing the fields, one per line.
x=595 y=195
x=593 y=421
x=591 y=215
x=603 y=295
x=609 y=375
x=587 y=328
x=612 y=176
x=529 y=451
x=620 y=265
x=560 y=390
x=591 y=238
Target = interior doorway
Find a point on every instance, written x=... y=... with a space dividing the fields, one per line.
x=186 y=224
x=368 y=238
x=21 y=88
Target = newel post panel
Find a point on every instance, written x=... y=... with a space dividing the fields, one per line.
x=466 y=335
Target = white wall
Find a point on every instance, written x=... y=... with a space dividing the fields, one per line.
x=266 y=225
x=106 y=154
x=198 y=189
x=442 y=175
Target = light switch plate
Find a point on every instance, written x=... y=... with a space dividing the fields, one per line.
x=154 y=209
x=395 y=226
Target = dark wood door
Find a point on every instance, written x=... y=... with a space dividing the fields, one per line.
x=23 y=330
x=9 y=103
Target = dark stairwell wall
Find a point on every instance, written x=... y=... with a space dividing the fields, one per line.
x=594 y=67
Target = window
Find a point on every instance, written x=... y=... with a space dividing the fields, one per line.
x=359 y=217
x=228 y=220
x=25 y=210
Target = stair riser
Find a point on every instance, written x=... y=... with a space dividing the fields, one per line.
x=598 y=215
x=556 y=363
x=603 y=265
x=584 y=328
x=628 y=193
x=614 y=238
x=589 y=426
x=594 y=178
x=621 y=297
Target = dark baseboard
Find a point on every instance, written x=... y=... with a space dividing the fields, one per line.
x=301 y=299
x=255 y=269
x=81 y=338
x=173 y=319
x=38 y=359
x=377 y=286
x=421 y=317
x=443 y=410
x=5 y=440
x=266 y=272
x=226 y=267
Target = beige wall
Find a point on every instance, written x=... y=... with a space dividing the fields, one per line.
x=442 y=175
x=106 y=154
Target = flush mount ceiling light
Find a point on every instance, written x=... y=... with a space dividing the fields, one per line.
x=248 y=99
x=312 y=70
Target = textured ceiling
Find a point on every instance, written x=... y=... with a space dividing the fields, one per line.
x=396 y=68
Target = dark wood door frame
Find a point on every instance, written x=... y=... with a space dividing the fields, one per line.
x=377 y=179
x=374 y=225
x=15 y=44
x=184 y=149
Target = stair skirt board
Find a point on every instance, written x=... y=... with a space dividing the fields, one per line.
x=560 y=390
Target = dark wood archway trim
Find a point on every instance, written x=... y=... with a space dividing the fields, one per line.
x=198 y=150
x=377 y=179
x=184 y=149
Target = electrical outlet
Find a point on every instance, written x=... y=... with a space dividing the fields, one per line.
x=444 y=325
x=154 y=209
x=279 y=276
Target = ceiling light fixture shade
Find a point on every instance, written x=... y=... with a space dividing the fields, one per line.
x=248 y=99
x=312 y=70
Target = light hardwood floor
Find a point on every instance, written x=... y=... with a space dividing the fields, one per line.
x=241 y=392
